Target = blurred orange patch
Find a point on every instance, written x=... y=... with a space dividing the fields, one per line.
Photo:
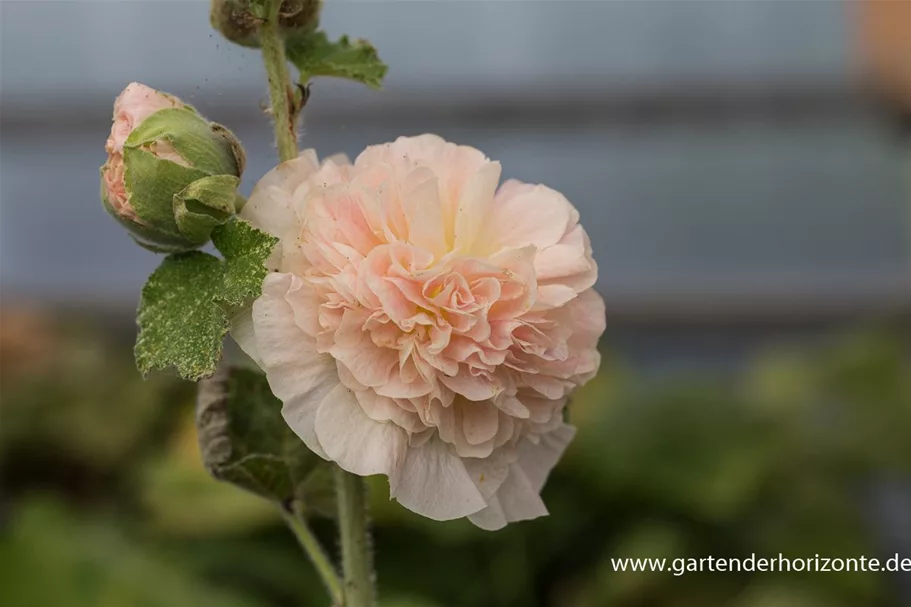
x=885 y=41
x=27 y=340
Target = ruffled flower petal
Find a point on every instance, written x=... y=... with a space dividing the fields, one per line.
x=298 y=375
x=354 y=441
x=516 y=500
x=433 y=482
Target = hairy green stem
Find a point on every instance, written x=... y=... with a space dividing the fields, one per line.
x=357 y=556
x=281 y=95
x=273 y=49
x=324 y=567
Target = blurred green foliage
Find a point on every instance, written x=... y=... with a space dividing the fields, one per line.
x=106 y=502
x=89 y=564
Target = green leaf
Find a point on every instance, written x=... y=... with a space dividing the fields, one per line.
x=245 y=441
x=184 y=308
x=179 y=323
x=315 y=55
x=245 y=250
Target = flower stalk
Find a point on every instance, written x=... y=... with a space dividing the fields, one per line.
x=324 y=567
x=357 y=556
x=280 y=92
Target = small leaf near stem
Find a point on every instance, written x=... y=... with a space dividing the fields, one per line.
x=315 y=55
x=244 y=441
x=280 y=91
x=357 y=553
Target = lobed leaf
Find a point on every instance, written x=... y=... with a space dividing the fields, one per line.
x=179 y=325
x=315 y=55
x=245 y=250
x=184 y=307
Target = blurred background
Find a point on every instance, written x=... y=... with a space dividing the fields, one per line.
x=744 y=171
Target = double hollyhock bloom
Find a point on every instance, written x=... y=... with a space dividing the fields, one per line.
x=170 y=176
x=423 y=323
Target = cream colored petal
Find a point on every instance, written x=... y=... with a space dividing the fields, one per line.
x=425 y=221
x=339 y=159
x=269 y=209
x=270 y=205
x=491 y=518
x=382 y=409
x=516 y=500
x=355 y=442
x=561 y=260
x=474 y=206
x=536 y=461
x=553 y=296
x=489 y=473
x=304 y=302
x=299 y=411
x=298 y=375
x=539 y=216
x=479 y=421
x=471 y=386
x=290 y=174
x=512 y=406
x=369 y=364
x=242 y=333
x=433 y=482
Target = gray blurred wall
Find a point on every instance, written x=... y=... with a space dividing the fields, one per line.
x=718 y=151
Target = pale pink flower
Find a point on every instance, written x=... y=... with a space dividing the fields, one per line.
x=136 y=103
x=425 y=324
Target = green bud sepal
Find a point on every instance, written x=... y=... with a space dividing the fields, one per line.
x=203 y=145
x=205 y=204
x=180 y=176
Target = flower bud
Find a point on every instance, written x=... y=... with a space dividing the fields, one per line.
x=171 y=176
x=238 y=20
